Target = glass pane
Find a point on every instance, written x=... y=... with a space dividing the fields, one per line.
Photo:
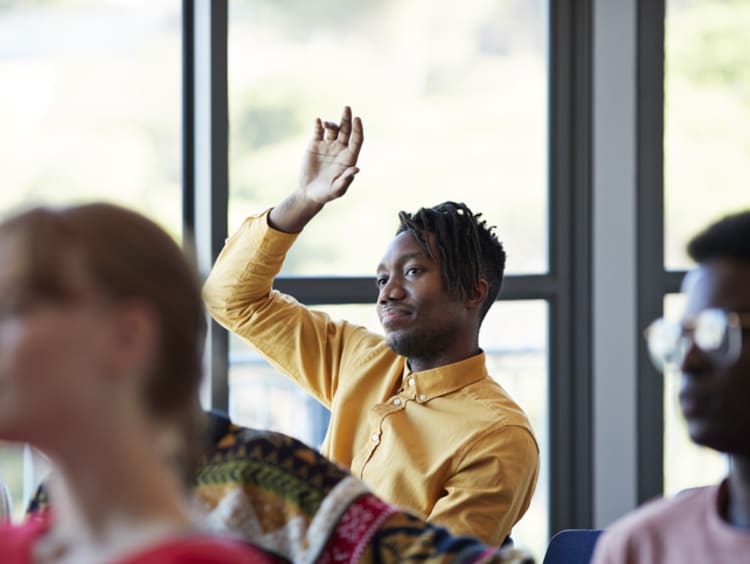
x=686 y=464
x=454 y=104
x=21 y=469
x=90 y=104
x=90 y=109
x=707 y=118
x=11 y=473
x=514 y=336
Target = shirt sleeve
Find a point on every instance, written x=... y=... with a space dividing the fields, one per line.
x=493 y=486
x=305 y=345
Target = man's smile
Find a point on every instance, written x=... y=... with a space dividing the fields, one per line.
x=393 y=315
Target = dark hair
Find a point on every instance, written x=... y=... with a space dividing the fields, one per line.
x=468 y=247
x=727 y=238
x=127 y=257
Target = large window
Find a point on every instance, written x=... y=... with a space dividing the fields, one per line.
x=90 y=109
x=706 y=153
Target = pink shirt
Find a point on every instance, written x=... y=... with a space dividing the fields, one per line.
x=686 y=528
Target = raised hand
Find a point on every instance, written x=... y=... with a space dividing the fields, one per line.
x=328 y=167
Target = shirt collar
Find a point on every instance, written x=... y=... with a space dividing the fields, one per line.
x=445 y=379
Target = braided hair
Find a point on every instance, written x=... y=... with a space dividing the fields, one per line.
x=469 y=248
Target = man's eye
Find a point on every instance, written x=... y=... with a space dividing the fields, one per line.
x=380 y=281
x=413 y=271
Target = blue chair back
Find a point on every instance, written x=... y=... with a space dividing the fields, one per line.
x=572 y=546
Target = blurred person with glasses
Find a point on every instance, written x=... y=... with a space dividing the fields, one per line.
x=711 y=349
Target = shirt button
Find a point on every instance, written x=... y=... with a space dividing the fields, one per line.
x=411 y=381
x=375 y=437
x=397 y=402
x=422 y=397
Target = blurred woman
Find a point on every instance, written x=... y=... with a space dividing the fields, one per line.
x=101 y=333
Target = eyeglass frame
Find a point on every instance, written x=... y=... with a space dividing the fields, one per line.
x=736 y=323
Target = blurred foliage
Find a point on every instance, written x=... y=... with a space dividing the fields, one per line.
x=707 y=118
x=90 y=111
x=272 y=117
x=708 y=46
x=454 y=106
x=302 y=17
x=45 y=4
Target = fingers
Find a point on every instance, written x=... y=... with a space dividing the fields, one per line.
x=357 y=137
x=347 y=132
x=332 y=130
x=346 y=126
x=318 y=130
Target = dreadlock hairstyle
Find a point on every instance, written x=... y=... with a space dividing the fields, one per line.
x=727 y=238
x=468 y=247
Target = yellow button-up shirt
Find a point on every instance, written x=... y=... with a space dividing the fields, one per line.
x=448 y=443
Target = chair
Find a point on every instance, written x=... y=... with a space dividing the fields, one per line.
x=572 y=546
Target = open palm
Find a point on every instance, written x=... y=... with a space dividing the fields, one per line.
x=330 y=162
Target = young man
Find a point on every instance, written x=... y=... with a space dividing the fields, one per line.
x=414 y=414
x=712 y=348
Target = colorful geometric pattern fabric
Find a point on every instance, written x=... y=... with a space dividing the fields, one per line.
x=288 y=499
x=284 y=497
x=276 y=490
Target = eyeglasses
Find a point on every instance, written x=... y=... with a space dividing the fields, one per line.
x=717 y=333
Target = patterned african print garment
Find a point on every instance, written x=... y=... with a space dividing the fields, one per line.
x=286 y=498
x=294 y=502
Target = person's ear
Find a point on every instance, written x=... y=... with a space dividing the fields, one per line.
x=135 y=336
x=478 y=295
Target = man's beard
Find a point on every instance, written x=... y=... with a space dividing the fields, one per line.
x=421 y=344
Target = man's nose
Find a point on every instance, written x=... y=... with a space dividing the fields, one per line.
x=393 y=289
x=692 y=358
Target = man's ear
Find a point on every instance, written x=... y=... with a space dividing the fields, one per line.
x=477 y=297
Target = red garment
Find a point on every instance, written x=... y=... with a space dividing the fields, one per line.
x=16 y=542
